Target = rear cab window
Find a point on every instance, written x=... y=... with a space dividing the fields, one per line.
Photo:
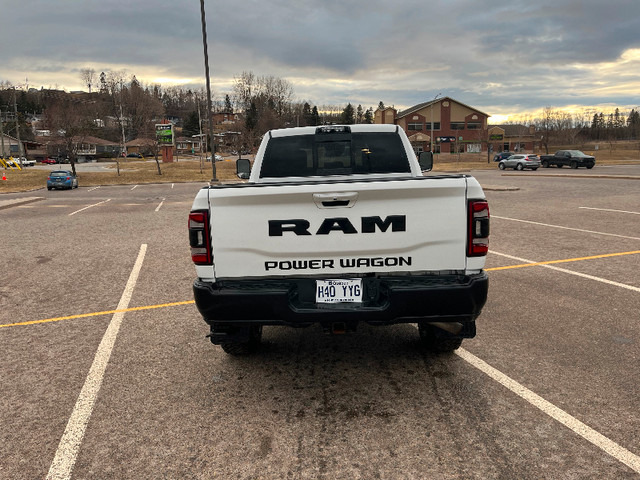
x=334 y=153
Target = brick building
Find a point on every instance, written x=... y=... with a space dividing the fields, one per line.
x=456 y=127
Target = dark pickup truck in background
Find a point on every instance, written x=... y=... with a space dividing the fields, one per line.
x=571 y=158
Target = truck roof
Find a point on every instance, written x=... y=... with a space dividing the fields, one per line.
x=285 y=132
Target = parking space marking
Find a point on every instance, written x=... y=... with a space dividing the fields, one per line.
x=158 y=207
x=564 y=270
x=189 y=302
x=609 y=446
x=97 y=314
x=134 y=187
x=609 y=210
x=69 y=445
x=536 y=264
x=82 y=209
x=94 y=188
x=565 y=228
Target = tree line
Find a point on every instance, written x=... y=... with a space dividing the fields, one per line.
x=119 y=108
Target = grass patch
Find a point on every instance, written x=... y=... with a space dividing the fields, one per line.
x=139 y=172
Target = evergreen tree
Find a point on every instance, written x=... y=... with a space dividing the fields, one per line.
x=251 y=120
x=191 y=125
x=315 y=116
x=306 y=115
x=228 y=108
x=368 y=116
x=381 y=105
x=104 y=88
x=348 y=115
x=359 y=114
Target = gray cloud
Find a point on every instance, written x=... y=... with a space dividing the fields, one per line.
x=510 y=56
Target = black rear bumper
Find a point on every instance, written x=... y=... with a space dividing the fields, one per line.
x=386 y=301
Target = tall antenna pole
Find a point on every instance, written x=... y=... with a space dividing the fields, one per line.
x=206 y=72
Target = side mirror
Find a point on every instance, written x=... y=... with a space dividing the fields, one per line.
x=243 y=167
x=426 y=161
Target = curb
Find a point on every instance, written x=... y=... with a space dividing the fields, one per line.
x=569 y=175
x=4 y=204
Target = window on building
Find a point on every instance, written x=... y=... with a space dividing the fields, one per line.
x=436 y=126
x=457 y=125
x=414 y=126
x=474 y=126
x=474 y=148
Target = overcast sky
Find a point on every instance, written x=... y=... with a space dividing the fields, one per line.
x=501 y=57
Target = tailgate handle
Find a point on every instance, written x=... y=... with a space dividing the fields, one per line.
x=335 y=200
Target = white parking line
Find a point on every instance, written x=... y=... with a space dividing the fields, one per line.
x=94 y=188
x=134 y=187
x=571 y=272
x=564 y=228
x=69 y=445
x=99 y=203
x=610 y=210
x=158 y=207
x=616 y=451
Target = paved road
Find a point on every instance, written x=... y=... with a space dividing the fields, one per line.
x=548 y=388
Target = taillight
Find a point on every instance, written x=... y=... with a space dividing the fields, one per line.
x=478 y=234
x=199 y=237
x=68 y=178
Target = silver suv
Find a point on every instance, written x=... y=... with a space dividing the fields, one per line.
x=520 y=161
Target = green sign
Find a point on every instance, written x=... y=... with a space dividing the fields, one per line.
x=164 y=134
x=496 y=137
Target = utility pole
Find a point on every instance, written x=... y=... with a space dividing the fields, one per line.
x=1 y=135
x=15 y=111
x=206 y=72
x=434 y=100
x=201 y=139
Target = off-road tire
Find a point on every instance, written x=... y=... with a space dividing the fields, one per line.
x=437 y=340
x=545 y=164
x=574 y=164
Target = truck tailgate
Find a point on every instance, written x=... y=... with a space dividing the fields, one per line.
x=342 y=228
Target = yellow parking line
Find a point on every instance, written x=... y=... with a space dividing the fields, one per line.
x=96 y=314
x=189 y=302
x=562 y=261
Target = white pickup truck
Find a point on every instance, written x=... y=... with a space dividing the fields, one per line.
x=338 y=225
x=19 y=162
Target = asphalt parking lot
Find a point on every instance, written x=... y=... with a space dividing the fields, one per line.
x=106 y=372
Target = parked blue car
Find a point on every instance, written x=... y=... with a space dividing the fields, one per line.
x=62 y=179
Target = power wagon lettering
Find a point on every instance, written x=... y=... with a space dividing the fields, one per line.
x=398 y=223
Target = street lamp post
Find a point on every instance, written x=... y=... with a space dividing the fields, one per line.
x=434 y=100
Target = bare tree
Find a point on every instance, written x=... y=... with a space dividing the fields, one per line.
x=88 y=76
x=72 y=119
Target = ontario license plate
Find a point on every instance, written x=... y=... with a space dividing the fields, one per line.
x=339 y=291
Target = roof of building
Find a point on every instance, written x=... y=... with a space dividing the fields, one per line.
x=140 y=142
x=513 y=130
x=420 y=106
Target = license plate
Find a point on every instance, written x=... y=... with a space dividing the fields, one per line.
x=339 y=291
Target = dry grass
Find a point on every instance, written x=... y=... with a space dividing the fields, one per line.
x=136 y=172
x=131 y=173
